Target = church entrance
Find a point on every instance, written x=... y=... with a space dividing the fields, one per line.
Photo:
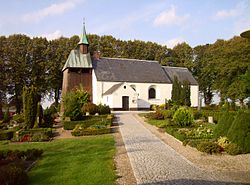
x=125 y=103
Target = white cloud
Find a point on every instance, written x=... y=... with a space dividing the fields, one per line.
x=53 y=9
x=51 y=36
x=169 y=17
x=173 y=42
x=238 y=10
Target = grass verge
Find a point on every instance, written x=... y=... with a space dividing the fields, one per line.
x=86 y=161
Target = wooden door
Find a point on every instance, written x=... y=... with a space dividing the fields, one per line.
x=125 y=103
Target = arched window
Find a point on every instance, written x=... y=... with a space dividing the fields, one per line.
x=151 y=93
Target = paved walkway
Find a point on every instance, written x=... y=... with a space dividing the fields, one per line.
x=154 y=162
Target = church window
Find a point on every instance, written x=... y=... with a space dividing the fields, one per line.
x=151 y=93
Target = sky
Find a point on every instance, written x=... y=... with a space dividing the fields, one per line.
x=166 y=22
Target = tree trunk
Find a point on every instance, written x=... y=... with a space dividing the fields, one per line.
x=56 y=96
x=1 y=112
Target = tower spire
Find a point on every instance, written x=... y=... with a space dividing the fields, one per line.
x=83 y=36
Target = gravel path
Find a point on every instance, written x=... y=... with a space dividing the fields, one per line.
x=154 y=162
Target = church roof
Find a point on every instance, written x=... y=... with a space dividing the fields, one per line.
x=129 y=70
x=78 y=60
x=113 y=88
x=182 y=74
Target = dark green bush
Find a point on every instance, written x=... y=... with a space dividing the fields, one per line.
x=239 y=132
x=103 y=109
x=224 y=124
x=12 y=174
x=197 y=114
x=214 y=113
x=6 y=134
x=183 y=117
x=73 y=102
x=233 y=149
x=48 y=119
x=209 y=147
x=6 y=116
x=19 y=118
x=91 y=108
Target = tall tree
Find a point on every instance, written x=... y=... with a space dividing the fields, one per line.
x=17 y=66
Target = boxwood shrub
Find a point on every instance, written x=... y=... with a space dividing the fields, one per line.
x=92 y=120
x=209 y=147
x=6 y=134
x=183 y=117
x=92 y=130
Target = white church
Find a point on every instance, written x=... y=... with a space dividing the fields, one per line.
x=123 y=84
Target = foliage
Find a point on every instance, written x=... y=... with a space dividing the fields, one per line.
x=92 y=120
x=73 y=102
x=156 y=115
x=19 y=118
x=39 y=114
x=239 y=132
x=12 y=174
x=6 y=116
x=183 y=117
x=36 y=134
x=48 y=116
x=224 y=124
x=103 y=109
x=6 y=134
x=94 y=153
x=91 y=108
x=223 y=142
x=181 y=92
x=208 y=147
x=79 y=130
x=233 y=149
x=30 y=101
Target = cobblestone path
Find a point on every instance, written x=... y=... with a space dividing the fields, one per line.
x=154 y=162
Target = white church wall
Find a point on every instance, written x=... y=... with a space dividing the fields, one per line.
x=163 y=91
x=194 y=95
x=94 y=88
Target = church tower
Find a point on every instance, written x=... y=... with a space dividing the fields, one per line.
x=78 y=67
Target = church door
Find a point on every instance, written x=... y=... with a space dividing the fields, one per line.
x=125 y=103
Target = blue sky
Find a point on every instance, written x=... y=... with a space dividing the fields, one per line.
x=163 y=21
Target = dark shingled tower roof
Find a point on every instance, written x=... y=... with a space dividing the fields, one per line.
x=182 y=74
x=129 y=70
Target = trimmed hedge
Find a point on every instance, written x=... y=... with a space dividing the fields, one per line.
x=6 y=134
x=35 y=134
x=93 y=130
x=92 y=120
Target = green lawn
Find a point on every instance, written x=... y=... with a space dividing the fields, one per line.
x=86 y=161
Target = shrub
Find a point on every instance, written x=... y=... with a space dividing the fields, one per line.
x=92 y=120
x=223 y=142
x=6 y=134
x=233 y=149
x=30 y=100
x=183 y=117
x=90 y=107
x=6 y=116
x=157 y=115
x=239 y=132
x=19 y=118
x=197 y=114
x=73 y=102
x=92 y=130
x=224 y=124
x=168 y=114
x=208 y=147
x=11 y=174
x=103 y=109
x=36 y=134
x=48 y=119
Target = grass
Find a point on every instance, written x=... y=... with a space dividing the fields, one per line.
x=86 y=161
